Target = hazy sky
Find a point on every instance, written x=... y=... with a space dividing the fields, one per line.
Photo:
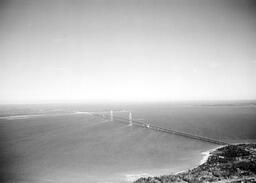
x=127 y=50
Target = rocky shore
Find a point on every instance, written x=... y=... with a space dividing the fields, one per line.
x=231 y=163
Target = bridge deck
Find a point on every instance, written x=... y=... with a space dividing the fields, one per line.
x=170 y=131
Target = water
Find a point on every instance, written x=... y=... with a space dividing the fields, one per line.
x=56 y=143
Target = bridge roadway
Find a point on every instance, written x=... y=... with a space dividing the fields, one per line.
x=169 y=131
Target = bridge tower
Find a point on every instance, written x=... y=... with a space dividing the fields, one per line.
x=130 y=119
x=111 y=116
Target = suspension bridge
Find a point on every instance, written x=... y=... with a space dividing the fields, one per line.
x=132 y=122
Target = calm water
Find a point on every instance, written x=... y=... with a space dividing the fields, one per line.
x=54 y=143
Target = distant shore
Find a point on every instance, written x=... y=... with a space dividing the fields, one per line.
x=236 y=163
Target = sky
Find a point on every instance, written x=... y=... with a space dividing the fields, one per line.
x=127 y=50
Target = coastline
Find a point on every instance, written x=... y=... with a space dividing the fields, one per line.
x=236 y=163
x=207 y=154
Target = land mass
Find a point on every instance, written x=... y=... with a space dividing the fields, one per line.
x=231 y=163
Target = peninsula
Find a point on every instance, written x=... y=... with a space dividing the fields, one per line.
x=231 y=163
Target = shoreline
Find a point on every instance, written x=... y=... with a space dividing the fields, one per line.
x=235 y=162
x=207 y=154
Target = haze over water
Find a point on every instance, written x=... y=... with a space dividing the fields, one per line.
x=58 y=143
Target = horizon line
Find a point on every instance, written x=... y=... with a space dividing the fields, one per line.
x=56 y=102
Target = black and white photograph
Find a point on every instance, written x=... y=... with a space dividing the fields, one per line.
x=127 y=91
